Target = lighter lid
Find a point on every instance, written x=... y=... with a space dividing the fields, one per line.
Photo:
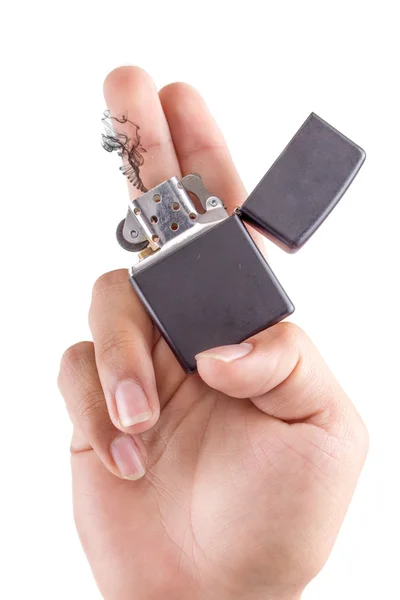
x=304 y=184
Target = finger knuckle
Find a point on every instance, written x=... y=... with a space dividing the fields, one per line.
x=114 y=346
x=113 y=280
x=291 y=334
x=73 y=358
x=91 y=403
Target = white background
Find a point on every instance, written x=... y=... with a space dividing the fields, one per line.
x=262 y=67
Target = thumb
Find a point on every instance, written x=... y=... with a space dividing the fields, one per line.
x=283 y=374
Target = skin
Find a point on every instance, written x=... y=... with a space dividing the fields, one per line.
x=239 y=480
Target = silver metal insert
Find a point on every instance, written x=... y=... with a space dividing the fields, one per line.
x=163 y=212
x=166 y=217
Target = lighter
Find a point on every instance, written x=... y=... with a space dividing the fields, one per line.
x=199 y=274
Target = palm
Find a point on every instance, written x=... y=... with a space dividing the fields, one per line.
x=228 y=495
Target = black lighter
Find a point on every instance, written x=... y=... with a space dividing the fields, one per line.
x=200 y=275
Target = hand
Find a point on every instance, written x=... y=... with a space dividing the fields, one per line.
x=228 y=484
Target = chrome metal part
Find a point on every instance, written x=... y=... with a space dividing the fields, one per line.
x=164 y=212
x=166 y=217
x=132 y=231
x=130 y=234
x=194 y=183
x=127 y=238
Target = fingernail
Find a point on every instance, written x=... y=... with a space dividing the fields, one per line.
x=227 y=353
x=131 y=403
x=127 y=458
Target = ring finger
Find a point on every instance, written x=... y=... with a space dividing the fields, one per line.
x=122 y=454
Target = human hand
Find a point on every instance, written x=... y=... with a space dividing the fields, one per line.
x=244 y=471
